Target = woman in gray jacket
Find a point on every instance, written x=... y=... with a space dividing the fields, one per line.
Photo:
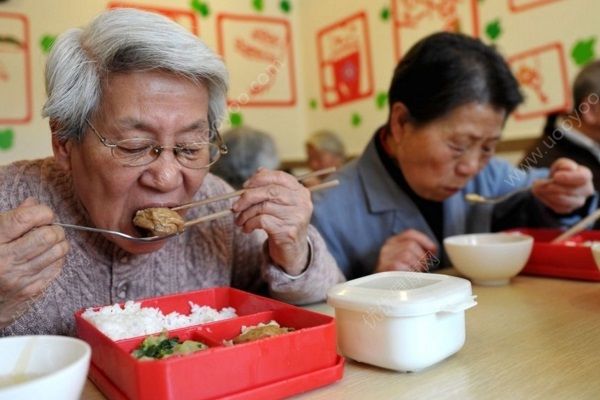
x=448 y=101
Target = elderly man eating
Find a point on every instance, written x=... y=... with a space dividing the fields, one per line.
x=134 y=101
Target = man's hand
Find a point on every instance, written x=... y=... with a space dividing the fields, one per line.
x=31 y=256
x=277 y=203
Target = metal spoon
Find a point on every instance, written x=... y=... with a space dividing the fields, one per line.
x=115 y=233
x=479 y=199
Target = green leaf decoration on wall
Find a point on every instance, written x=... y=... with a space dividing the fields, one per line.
x=356 y=119
x=6 y=139
x=381 y=100
x=493 y=30
x=200 y=7
x=313 y=104
x=258 y=5
x=285 y=6
x=46 y=43
x=583 y=51
x=384 y=14
x=236 y=119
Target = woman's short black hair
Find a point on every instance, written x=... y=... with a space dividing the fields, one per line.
x=446 y=70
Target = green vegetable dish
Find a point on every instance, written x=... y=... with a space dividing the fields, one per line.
x=161 y=346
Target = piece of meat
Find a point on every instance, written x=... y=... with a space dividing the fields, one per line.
x=159 y=221
x=260 y=332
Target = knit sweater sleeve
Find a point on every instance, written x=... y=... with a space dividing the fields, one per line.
x=254 y=271
x=312 y=286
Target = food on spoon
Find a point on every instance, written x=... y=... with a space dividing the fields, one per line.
x=474 y=198
x=161 y=346
x=159 y=221
x=260 y=331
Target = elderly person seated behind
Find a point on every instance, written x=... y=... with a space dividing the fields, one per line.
x=248 y=150
x=133 y=104
x=575 y=135
x=448 y=101
x=324 y=149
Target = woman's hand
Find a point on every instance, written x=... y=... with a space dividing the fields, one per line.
x=568 y=187
x=31 y=256
x=410 y=250
x=277 y=203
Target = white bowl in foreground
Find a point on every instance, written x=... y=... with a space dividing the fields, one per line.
x=489 y=258
x=43 y=367
x=405 y=321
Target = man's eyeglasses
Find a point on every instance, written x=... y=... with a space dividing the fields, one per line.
x=137 y=152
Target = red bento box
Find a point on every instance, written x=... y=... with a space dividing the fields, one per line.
x=571 y=259
x=270 y=368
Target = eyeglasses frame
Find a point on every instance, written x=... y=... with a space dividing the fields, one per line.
x=158 y=149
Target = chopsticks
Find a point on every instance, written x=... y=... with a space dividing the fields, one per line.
x=223 y=213
x=578 y=227
x=226 y=196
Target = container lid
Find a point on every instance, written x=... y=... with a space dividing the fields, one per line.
x=400 y=293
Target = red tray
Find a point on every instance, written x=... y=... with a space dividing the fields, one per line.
x=269 y=368
x=571 y=259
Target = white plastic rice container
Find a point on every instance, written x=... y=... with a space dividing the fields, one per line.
x=405 y=321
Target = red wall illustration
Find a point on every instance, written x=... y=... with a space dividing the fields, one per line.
x=446 y=15
x=185 y=18
x=15 y=69
x=523 y=5
x=261 y=48
x=344 y=58
x=542 y=74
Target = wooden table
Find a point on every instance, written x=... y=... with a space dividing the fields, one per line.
x=536 y=338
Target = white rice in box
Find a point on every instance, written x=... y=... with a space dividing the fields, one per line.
x=134 y=320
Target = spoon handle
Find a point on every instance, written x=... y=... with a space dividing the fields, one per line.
x=88 y=228
x=578 y=227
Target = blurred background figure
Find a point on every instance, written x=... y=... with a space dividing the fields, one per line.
x=324 y=149
x=575 y=135
x=249 y=149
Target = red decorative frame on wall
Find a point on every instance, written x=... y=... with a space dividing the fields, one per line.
x=172 y=13
x=528 y=4
x=355 y=93
x=396 y=26
x=552 y=47
x=284 y=102
x=26 y=71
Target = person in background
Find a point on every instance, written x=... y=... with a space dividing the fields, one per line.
x=324 y=149
x=575 y=135
x=448 y=102
x=248 y=150
x=134 y=101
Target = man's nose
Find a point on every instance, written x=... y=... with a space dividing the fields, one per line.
x=164 y=173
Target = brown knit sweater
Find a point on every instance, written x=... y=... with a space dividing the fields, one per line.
x=97 y=272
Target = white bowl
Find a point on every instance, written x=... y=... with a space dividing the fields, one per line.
x=405 y=321
x=55 y=367
x=489 y=258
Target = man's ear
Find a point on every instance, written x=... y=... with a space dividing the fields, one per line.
x=399 y=116
x=60 y=148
